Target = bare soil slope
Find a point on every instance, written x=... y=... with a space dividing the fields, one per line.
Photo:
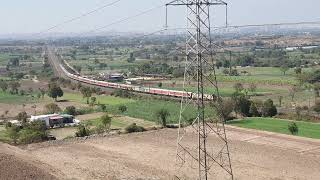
x=151 y=155
x=15 y=165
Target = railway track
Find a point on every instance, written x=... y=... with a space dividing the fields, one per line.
x=61 y=71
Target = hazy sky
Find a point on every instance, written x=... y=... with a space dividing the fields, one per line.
x=32 y=16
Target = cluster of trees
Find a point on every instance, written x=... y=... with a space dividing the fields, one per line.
x=246 y=107
x=103 y=126
x=28 y=132
x=13 y=86
x=261 y=58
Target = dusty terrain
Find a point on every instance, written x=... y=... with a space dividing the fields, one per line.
x=16 y=164
x=151 y=155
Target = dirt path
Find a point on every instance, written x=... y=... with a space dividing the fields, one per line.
x=151 y=155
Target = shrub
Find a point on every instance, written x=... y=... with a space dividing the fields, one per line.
x=22 y=117
x=293 y=128
x=242 y=104
x=100 y=129
x=122 y=108
x=33 y=133
x=106 y=122
x=134 y=128
x=13 y=132
x=71 y=110
x=84 y=110
x=52 y=108
x=82 y=131
x=224 y=109
x=269 y=109
x=101 y=108
x=254 y=111
x=163 y=114
x=122 y=93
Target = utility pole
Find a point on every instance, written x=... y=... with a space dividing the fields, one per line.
x=200 y=67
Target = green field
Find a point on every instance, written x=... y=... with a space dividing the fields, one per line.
x=15 y=99
x=306 y=129
x=110 y=100
x=144 y=108
x=262 y=75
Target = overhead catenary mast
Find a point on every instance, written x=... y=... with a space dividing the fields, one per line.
x=200 y=71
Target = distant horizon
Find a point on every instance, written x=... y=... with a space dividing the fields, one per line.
x=34 y=16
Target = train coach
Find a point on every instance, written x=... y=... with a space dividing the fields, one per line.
x=148 y=90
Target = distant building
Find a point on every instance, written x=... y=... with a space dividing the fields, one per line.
x=52 y=120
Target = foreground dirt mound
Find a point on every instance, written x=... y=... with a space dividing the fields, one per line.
x=14 y=165
x=151 y=156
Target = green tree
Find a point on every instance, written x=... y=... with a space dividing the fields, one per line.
x=316 y=89
x=122 y=108
x=14 y=86
x=253 y=110
x=93 y=101
x=106 y=122
x=269 y=109
x=33 y=132
x=284 y=69
x=298 y=70
x=131 y=58
x=224 y=108
x=54 y=91
x=163 y=114
x=316 y=107
x=86 y=93
x=4 y=86
x=293 y=128
x=241 y=104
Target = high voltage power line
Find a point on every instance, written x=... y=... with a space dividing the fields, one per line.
x=122 y=20
x=79 y=17
x=128 y=18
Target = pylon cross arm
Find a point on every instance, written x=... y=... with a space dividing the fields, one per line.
x=195 y=2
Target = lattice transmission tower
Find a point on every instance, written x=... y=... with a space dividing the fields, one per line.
x=203 y=144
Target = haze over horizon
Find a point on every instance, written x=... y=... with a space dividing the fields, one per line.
x=33 y=16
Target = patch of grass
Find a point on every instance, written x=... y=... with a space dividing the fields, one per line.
x=311 y=130
x=15 y=99
x=144 y=108
x=120 y=122
x=110 y=100
x=3 y=135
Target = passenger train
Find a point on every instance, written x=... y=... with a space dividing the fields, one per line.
x=146 y=90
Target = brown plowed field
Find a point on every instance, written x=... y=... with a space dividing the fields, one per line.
x=151 y=155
